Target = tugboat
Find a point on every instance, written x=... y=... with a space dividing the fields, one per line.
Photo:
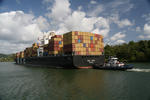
x=114 y=64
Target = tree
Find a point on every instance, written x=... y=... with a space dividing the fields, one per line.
x=133 y=51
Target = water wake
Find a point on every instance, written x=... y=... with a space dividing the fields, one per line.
x=138 y=70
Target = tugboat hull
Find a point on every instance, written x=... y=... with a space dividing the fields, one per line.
x=125 y=67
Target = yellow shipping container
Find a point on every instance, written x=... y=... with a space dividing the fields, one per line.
x=76 y=49
x=76 y=37
x=89 y=49
x=73 y=41
x=81 y=49
x=84 y=49
x=84 y=41
x=55 y=52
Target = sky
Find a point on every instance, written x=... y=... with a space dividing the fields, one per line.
x=119 y=21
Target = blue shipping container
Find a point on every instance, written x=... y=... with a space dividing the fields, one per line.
x=84 y=44
x=59 y=42
x=79 y=41
x=91 y=37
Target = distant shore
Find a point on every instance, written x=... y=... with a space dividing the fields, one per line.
x=7 y=58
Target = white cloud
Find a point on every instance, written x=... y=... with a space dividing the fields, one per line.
x=96 y=11
x=124 y=23
x=18 y=28
x=114 y=18
x=93 y=2
x=60 y=10
x=116 y=39
x=119 y=42
x=42 y=23
x=138 y=29
x=113 y=10
x=7 y=47
x=141 y=36
x=80 y=8
x=147 y=29
x=78 y=21
x=121 y=6
x=75 y=20
x=147 y=17
x=129 y=7
x=117 y=36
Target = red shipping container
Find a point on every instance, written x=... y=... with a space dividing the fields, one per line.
x=95 y=35
x=92 y=45
x=58 y=49
x=79 y=52
x=55 y=49
x=100 y=36
x=87 y=49
x=101 y=50
x=96 y=42
x=73 y=46
x=76 y=41
x=78 y=36
x=92 y=49
x=81 y=37
x=56 y=42
x=76 y=33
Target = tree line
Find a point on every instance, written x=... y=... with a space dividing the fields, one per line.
x=7 y=58
x=130 y=52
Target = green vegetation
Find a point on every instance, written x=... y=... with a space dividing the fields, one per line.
x=131 y=52
x=7 y=58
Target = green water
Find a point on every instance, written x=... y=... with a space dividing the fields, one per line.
x=35 y=83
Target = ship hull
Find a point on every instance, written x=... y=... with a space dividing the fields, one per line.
x=75 y=61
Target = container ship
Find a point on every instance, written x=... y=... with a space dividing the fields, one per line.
x=73 y=49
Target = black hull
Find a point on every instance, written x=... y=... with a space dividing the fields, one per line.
x=125 y=67
x=65 y=61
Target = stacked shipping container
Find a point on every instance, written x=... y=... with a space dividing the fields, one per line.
x=35 y=46
x=28 y=52
x=21 y=54
x=72 y=43
x=55 y=45
x=83 y=43
x=31 y=51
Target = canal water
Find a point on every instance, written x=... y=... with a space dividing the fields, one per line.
x=18 y=82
